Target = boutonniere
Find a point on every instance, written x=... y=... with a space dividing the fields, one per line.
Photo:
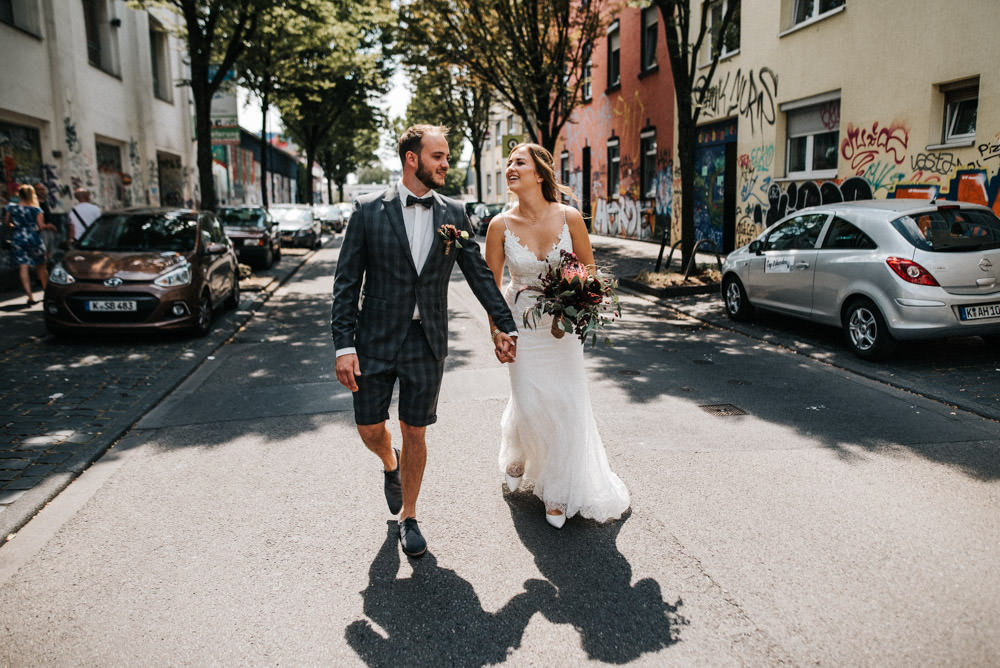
x=451 y=235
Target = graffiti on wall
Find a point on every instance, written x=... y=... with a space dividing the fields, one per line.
x=630 y=214
x=749 y=94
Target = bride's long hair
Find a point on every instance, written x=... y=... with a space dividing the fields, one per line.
x=551 y=188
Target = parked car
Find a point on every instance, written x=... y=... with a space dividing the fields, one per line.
x=882 y=270
x=254 y=233
x=298 y=225
x=485 y=213
x=330 y=217
x=151 y=268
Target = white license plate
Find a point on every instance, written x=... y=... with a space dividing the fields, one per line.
x=980 y=311
x=111 y=305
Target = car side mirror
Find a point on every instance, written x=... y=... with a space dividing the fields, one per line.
x=216 y=248
x=756 y=247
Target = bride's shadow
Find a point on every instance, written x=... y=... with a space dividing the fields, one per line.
x=435 y=617
x=617 y=622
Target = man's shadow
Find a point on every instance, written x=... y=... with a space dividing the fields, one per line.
x=435 y=617
x=617 y=622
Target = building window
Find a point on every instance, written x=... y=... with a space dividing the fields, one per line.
x=649 y=18
x=489 y=184
x=510 y=124
x=499 y=134
x=102 y=44
x=159 y=57
x=728 y=43
x=21 y=14
x=614 y=56
x=614 y=163
x=806 y=10
x=813 y=133
x=564 y=167
x=20 y=157
x=961 y=101
x=501 y=185
x=647 y=168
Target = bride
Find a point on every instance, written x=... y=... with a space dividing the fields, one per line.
x=548 y=431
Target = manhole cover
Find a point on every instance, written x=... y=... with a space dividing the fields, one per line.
x=703 y=361
x=628 y=372
x=722 y=410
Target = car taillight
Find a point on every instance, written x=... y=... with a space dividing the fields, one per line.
x=910 y=271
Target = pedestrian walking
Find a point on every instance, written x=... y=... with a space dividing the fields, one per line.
x=27 y=247
x=82 y=215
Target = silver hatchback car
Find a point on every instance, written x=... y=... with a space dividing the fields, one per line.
x=882 y=270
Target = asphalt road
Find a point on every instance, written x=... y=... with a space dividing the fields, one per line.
x=826 y=518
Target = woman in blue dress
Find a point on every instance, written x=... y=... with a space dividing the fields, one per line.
x=27 y=246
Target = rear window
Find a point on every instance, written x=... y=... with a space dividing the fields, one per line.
x=241 y=217
x=951 y=229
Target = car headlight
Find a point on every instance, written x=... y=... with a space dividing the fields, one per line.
x=60 y=276
x=179 y=276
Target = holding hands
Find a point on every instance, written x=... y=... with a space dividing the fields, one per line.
x=504 y=346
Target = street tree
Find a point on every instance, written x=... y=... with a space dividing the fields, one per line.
x=352 y=144
x=216 y=33
x=448 y=95
x=283 y=32
x=530 y=52
x=718 y=23
x=336 y=78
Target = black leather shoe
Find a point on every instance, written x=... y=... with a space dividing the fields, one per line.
x=394 y=488
x=411 y=539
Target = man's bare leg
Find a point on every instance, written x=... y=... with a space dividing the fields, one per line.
x=377 y=439
x=414 y=458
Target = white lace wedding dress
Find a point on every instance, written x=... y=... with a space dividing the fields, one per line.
x=548 y=423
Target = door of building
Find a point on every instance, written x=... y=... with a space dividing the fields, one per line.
x=715 y=184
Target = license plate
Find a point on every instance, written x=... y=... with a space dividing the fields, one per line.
x=980 y=311
x=111 y=305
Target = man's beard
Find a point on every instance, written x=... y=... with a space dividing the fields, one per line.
x=426 y=176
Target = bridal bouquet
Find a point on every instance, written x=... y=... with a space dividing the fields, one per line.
x=578 y=301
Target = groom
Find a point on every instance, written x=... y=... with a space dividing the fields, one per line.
x=396 y=260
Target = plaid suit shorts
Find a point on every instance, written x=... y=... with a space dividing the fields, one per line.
x=419 y=375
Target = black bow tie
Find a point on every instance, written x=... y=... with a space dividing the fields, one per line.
x=425 y=202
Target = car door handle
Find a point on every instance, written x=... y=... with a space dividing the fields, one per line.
x=801 y=265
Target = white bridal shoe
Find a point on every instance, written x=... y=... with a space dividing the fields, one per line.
x=513 y=475
x=556 y=520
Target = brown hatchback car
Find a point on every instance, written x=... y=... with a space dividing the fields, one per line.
x=153 y=268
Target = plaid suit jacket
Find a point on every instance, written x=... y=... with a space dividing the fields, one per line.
x=376 y=284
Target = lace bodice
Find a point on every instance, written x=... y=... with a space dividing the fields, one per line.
x=525 y=268
x=522 y=264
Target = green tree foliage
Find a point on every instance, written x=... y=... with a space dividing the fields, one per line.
x=528 y=51
x=448 y=95
x=216 y=33
x=374 y=173
x=335 y=78
x=684 y=50
x=353 y=143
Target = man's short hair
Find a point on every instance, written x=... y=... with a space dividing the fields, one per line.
x=413 y=138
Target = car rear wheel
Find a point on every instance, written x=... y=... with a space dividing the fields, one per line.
x=203 y=322
x=738 y=305
x=233 y=300
x=268 y=260
x=866 y=332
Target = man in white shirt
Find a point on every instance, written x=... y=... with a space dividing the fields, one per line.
x=82 y=215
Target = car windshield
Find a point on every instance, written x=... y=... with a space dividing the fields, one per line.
x=292 y=215
x=241 y=217
x=951 y=229
x=142 y=232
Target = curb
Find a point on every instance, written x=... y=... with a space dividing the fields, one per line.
x=671 y=291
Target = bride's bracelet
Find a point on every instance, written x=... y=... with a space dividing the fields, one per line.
x=493 y=334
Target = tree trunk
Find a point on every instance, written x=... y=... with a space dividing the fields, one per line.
x=203 y=130
x=264 y=144
x=477 y=155
x=686 y=138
